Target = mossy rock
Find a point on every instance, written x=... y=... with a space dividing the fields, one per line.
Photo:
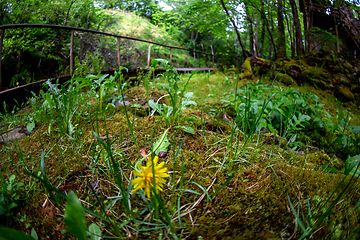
x=344 y=81
x=245 y=75
x=293 y=70
x=233 y=70
x=357 y=98
x=321 y=158
x=248 y=73
x=312 y=75
x=344 y=94
x=247 y=65
x=213 y=72
x=355 y=88
x=272 y=138
x=286 y=79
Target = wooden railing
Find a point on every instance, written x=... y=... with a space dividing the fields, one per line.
x=73 y=29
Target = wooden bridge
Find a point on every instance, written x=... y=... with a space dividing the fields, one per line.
x=20 y=94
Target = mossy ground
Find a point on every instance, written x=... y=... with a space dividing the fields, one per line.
x=252 y=205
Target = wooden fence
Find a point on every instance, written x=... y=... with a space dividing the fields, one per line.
x=74 y=29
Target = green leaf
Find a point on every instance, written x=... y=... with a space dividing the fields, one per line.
x=350 y=163
x=12 y=178
x=34 y=234
x=12 y=205
x=161 y=145
x=186 y=129
x=30 y=126
x=154 y=62
x=94 y=231
x=11 y=234
x=75 y=217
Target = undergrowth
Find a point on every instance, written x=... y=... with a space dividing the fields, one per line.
x=165 y=160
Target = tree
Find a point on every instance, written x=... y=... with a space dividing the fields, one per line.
x=235 y=28
x=281 y=30
x=298 y=35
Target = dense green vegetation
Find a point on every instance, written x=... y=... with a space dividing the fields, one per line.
x=265 y=146
x=232 y=160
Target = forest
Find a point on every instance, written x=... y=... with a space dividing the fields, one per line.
x=259 y=139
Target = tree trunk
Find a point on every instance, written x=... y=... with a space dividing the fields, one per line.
x=236 y=30
x=337 y=36
x=212 y=50
x=292 y=43
x=268 y=25
x=305 y=22
x=256 y=36
x=310 y=23
x=272 y=46
x=67 y=14
x=194 y=44
x=262 y=36
x=251 y=29
x=298 y=34
x=281 y=31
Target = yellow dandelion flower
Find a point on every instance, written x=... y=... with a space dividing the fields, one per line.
x=144 y=176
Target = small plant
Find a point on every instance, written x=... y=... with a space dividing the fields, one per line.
x=91 y=64
x=179 y=98
x=9 y=195
x=318 y=214
x=64 y=103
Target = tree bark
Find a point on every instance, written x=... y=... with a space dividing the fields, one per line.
x=310 y=23
x=268 y=25
x=281 y=31
x=194 y=44
x=67 y=14
x=236 y=30
x=305 y=23
x=262 y=36
x=292 y=42
x=212 y=50
x=298 y=34
x=251 y=29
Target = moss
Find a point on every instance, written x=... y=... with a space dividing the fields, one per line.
x=252 y=205
x=272 y=138
x=321 y=158
x=292 y=69
x=344 y=94
x=247 y=65
x=286 y=79
x=233 y=70
x=247 y=69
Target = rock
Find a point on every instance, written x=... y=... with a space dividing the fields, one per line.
x=233 y=70
x=272 y=138
x=344 y=94
x=354 y=70
x=121 y=103
x=13 y=134
x=286 y=79
x=355 y=88
x=344 y=81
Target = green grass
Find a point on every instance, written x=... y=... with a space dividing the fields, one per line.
x=226 y=177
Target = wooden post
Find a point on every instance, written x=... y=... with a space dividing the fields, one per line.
x=72 y=52
x=205 y=55
x=1 y=43
x=199 y=59
x=148 y=60
x=118 y=51
x=170 y=55
x=187 y=61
